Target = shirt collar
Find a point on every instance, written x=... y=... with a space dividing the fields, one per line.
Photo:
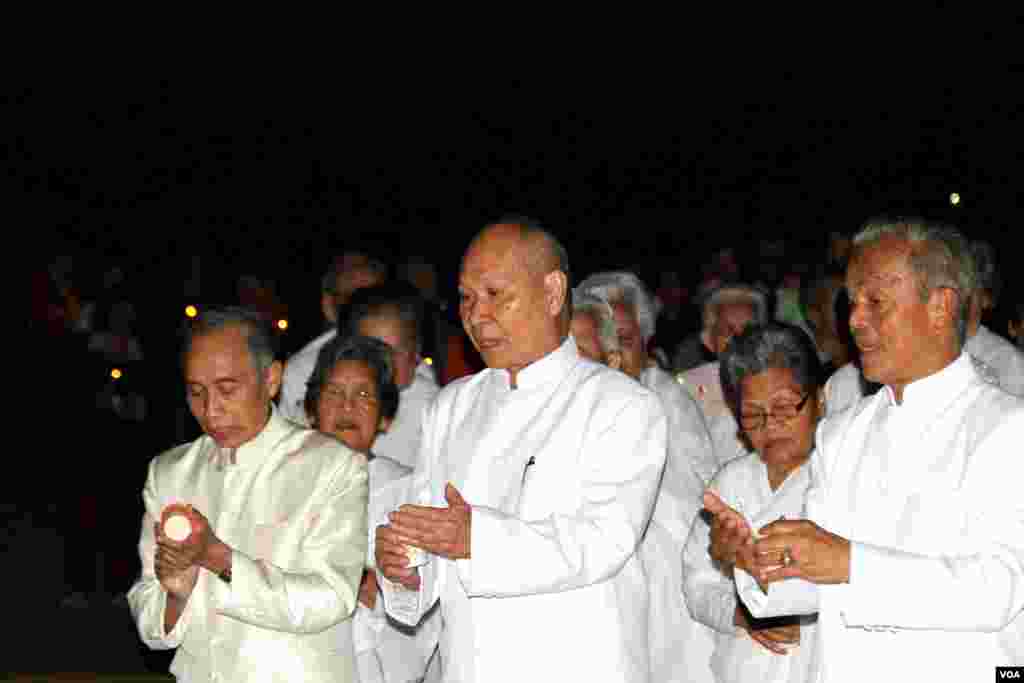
x=935 y=391
x=254 y=451
x=551 y=367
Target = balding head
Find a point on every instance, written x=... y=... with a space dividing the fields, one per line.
x=514 y=294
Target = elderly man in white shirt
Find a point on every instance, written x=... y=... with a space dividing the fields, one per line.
x=726 y=312
x=680 y=648
x=259 y=578
x=352 y=271
x=549 y=465
x=913 y=547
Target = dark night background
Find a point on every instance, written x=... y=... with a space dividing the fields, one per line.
x=271 y=176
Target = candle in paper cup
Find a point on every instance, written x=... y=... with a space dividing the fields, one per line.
x=176 y=523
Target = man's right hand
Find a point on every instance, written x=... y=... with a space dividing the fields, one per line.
x=392 y=560
x=176 y=574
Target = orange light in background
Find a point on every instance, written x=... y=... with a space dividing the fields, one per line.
x=954 y=199
x=282 y=324
x=428 y=360
x=191 y=311
x=115 y=373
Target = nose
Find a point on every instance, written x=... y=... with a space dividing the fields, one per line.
x=474 y=310
x=857 y=315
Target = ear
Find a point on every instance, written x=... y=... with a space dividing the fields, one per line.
x=614 y=359
x=272 y=378
x=328 y=307
x=942 y=308
x=384 y=424
x=556 y=286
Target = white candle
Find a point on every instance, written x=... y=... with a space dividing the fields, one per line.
x=177 y=527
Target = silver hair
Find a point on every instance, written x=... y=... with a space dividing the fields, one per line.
x=734 y=294
x=259 y=338
x=940 y=258
x=604 y=318
x=623 y=287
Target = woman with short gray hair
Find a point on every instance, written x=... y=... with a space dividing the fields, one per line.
x=773 y=378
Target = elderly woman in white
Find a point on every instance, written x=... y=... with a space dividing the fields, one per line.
x=775 y=376
x=593 y=328
x=352 y=395
x=679 y=649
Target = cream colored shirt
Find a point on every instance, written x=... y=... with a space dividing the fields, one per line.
x=291 y=503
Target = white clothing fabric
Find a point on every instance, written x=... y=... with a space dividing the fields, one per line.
x=1000 y=357
x=401 y=442
x=291 y=503
x=705 y=386
x=928 y=493
x=995 y=358
x=297 y=372
x=385 y=650
x=711 y=594
x=680 y=647
x=562 y=473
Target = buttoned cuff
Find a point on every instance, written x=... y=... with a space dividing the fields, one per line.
x=784 y=598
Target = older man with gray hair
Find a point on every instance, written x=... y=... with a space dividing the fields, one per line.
x=912 y=552
x=995 y=357
x=680 y=648
x=593 y=328
x=535 y=482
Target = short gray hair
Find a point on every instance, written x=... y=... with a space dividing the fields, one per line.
x=258 y=336
x=624 y=287
x=736 y=293
x=940 y=258
x=986 y=269
x=604 y=318
x=772 y=345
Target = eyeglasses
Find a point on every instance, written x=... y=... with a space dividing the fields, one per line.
x=361 y=398
x=753 y=421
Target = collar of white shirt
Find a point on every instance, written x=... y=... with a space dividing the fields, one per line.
x=253 y=452
x=934 y=392
x=550 y=368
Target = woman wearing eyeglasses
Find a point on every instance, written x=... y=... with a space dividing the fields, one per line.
x=352 y=395
x=773 y=378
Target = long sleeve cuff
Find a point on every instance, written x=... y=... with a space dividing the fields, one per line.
x=232 y=597
x=177 y=634
x=784 y=598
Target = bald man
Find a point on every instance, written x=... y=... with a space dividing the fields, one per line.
x=536 y=480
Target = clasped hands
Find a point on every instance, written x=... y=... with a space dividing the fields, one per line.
x=441 y=531
x=177 y=563
x=785 y=549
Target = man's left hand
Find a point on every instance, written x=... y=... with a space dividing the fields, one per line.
x=441 y=531
x=801 y=549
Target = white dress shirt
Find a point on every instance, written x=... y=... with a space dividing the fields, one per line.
x=401 y=442
x=297 y=372
x=704 y=384
x=1003 y=359
x=291 y=503
x=680 y=647
x=387 y=652
x=928 y=493
x=711 y=594
x=562 y=474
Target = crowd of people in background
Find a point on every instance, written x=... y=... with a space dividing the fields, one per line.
x=605 y=480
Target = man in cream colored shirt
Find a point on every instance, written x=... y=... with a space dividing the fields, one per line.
x=912 y=552
x=540 y=474
x=264 y=586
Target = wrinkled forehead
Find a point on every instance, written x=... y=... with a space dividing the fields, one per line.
x=495 y=257
x=884 y=263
